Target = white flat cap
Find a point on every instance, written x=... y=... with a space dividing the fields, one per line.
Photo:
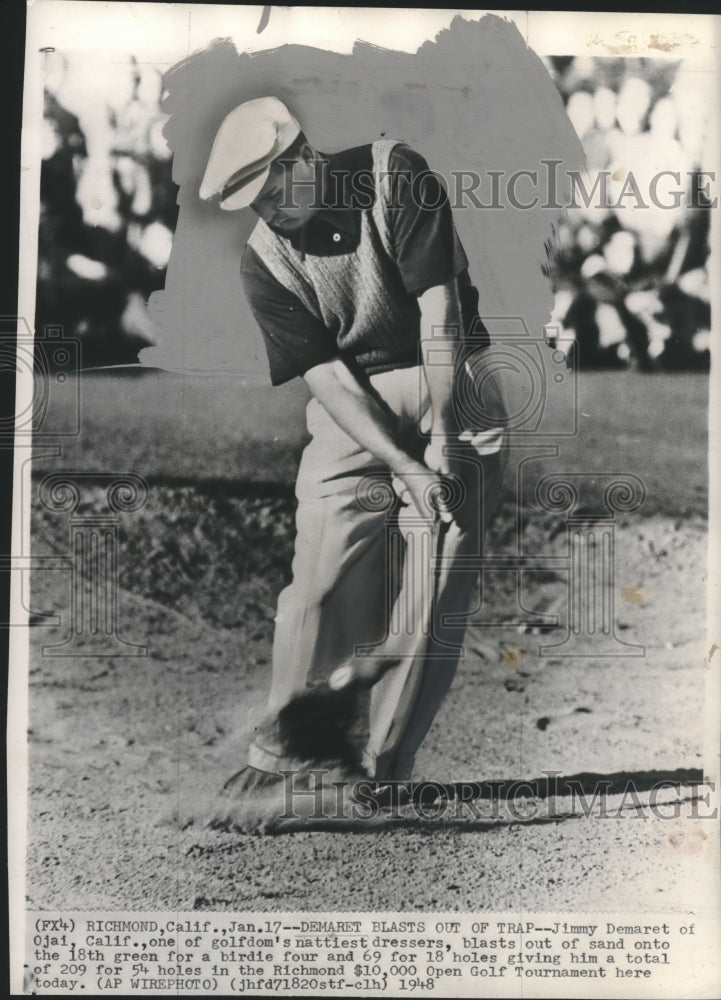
x=250 y=138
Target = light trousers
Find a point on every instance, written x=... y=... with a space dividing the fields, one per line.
x=372 y=581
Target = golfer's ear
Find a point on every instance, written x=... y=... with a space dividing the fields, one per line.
x=307 y=153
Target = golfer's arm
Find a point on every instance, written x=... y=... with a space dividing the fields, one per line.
x=359 y=414
x=440 y=338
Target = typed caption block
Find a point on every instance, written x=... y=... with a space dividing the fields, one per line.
x=360 y=954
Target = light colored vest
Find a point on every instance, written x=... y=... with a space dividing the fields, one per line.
x=358 y=296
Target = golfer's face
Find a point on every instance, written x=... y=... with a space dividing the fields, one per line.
x=287 y=200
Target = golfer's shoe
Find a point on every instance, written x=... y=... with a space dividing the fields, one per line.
x=268 y=752
x=250 y=781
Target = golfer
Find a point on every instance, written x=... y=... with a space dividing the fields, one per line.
x=360 y=285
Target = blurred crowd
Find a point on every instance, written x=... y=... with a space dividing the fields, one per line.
x=107 y=205
x=631 y=282
x=631 y=285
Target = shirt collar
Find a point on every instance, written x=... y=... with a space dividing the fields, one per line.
x=335 y=228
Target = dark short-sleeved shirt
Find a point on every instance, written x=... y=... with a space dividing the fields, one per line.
x=427 y=252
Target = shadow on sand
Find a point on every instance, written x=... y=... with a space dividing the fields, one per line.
x=466 y=806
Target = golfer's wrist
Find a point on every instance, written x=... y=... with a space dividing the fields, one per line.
x=407 y=466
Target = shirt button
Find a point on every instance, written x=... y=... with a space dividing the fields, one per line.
x=336 y=237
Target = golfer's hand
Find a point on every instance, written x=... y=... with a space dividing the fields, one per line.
x=435 y=457
x=445 y=464
x=425 y=490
